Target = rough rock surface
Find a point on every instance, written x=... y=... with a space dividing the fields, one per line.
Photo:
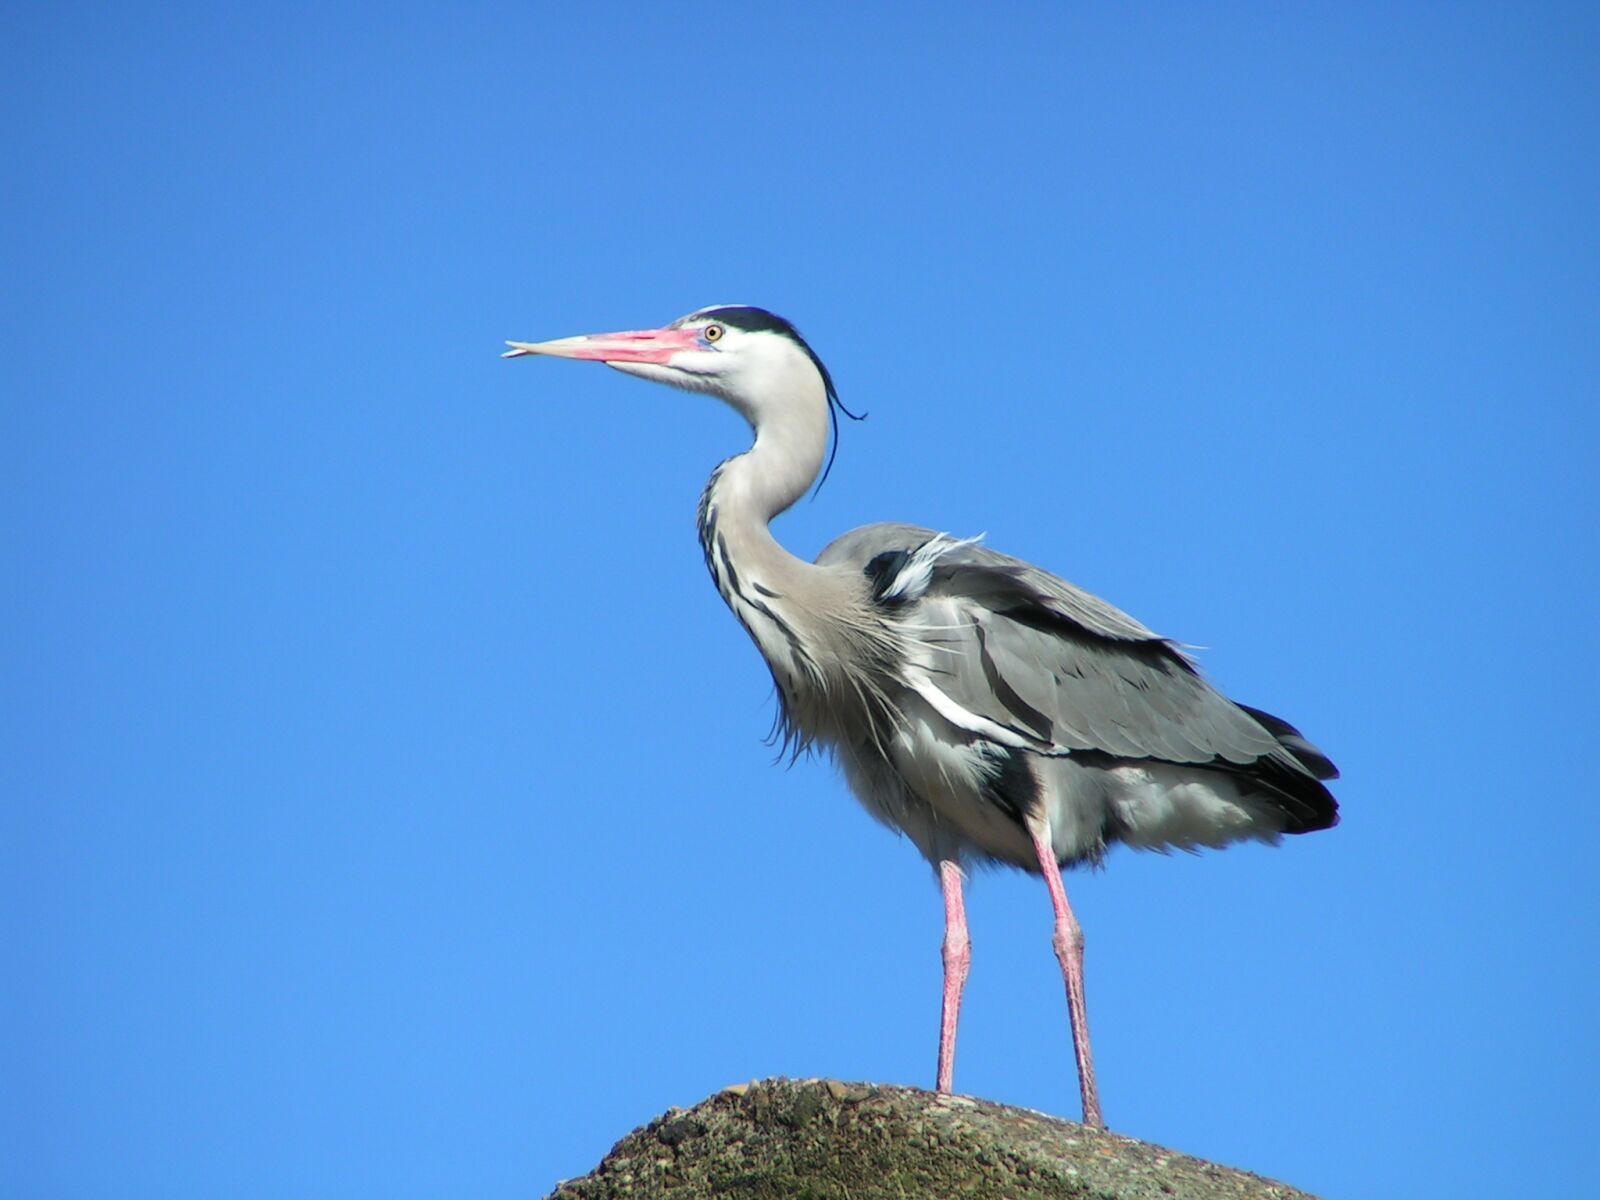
x=824 y=1140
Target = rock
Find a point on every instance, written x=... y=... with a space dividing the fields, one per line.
x=783 y=1139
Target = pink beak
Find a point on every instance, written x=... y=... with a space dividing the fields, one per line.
x=638 y=346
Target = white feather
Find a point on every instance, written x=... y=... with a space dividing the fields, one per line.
x=1160 y=806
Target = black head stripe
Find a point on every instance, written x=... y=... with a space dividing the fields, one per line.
x=750 y=319
x=759 y=320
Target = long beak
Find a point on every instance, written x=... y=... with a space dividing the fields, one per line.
x=640 y=346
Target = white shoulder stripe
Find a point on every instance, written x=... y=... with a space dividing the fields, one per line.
x=916 y=573
x=963 y=718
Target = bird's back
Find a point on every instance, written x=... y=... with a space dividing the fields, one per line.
x=1021 y=693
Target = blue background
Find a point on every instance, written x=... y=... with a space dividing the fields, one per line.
x=385 y=805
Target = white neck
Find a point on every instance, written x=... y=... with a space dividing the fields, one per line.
x=790 y=421
x=759 y=579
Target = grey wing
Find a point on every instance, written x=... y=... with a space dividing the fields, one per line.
x=989 y=574
x=1063 y=672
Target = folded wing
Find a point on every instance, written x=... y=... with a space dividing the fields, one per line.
x=1064 y=673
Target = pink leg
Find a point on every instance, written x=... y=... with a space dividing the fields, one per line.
x=957 y=957
x=1068 y=941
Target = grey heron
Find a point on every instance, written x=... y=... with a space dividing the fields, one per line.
x=987 y=710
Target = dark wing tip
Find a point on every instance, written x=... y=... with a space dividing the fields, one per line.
x=1304 y=799
x=1292 y=740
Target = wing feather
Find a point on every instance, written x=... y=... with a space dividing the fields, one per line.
x=1069 y=673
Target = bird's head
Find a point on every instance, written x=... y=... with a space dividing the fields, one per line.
x=748 y=357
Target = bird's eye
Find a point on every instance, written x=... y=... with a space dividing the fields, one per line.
x=711 y=333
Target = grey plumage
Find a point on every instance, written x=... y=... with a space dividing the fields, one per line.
x=1061 y=674
x=1065 y=673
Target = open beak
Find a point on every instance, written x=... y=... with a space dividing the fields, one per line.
x=638 y=346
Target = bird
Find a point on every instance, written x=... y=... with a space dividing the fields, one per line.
x=987 y=710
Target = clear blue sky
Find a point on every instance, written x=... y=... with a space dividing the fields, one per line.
x=385 y=806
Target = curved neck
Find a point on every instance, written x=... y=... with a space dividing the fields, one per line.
x=754 y=487
x=748 y=490
x=791 y=437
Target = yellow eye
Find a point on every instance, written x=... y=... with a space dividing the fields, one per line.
x=711 y=332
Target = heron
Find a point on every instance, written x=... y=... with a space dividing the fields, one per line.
x=990 y=712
